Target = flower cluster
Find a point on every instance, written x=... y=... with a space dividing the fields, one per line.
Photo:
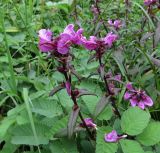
x=149 y=2
x=69 y=37
x=113 y=137
x=137 y=97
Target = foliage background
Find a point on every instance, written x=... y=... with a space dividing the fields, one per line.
x=29 y=117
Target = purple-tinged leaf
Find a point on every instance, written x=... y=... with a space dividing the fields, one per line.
x=155 y=61
x=56 y=89
x=92 y=74
x=83 y=92
x=64 y=132
x=104 y=101
x=101 y=71
x=157 y=35
x=72 y=122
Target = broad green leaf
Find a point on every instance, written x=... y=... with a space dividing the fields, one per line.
x=91 y=102
x=46 y=107
x=87 y=146
x=64 y=99
x=5 y=124
x=23 y=134
x=151 y=134
x=59 y=125
x=131 y=146
x=101 y=145
x=101 y=105
x=134 y=120
x=63 y=146
x=106 y=114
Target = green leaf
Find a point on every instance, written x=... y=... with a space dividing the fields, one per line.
x=46 y=107
x=106 y=114
x=8 y=147
x=60 y=124
x=23 y=134
x=101 y=145
x=151 y=134
x=91 y=102
x=63 y=146
x=101 y=105
x=130 y=146
x=5 y=124
x=134 y=120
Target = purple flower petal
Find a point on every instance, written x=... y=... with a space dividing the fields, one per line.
x=110 y=22
x=129 y=86
x=89 y=123
x=127 y=95
x=118 y=77
x=141 y=105
x=89 y=44
x=45 y=46
x=117 y=24
x=45 y=34
x=149 y=2
x=110 y=39
x=45 y=40
x=75 y=37
x=148 y=101
x=64 y=43
x=69 y=30
x=133 y=102
x=111 y=137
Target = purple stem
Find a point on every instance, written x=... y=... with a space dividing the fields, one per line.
x=74 y=99
x=108 y=90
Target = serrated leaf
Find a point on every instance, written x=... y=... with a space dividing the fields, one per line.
x=150 y=135
x=134 y=120
x=46 y=107
x=60 y=124
x=130 y=146
x=101 y=145
x=23 y=134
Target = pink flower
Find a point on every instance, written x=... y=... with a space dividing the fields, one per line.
x=137 y=97
x=69 y=37
x=45 y=40
x=89 y=123
x=149 y=2
x=116 y=24
x=94 y=43
x=90 y=44
x=110 y=39
x=113 y=137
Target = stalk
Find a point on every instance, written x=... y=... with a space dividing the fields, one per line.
x=74 y=99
